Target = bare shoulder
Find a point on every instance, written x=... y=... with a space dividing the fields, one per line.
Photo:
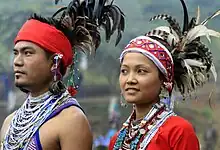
x=74 y=126
x=73 y=116
x=6 y=124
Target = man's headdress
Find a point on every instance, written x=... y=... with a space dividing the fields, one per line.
x=72 y=28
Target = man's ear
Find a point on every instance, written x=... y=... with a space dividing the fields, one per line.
x=54 y=62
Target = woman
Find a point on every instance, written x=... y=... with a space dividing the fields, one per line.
x=151 y=66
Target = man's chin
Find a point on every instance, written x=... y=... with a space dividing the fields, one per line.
x=22 y=87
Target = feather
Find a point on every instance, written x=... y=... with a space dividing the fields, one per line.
x=213 y=71
x=186 y=17
x=190 y=73
x=173 y=23
x=211 y=17
x=86 y=18
x=199 y=31
x=198 y=16
x=58 y=11
x=119 y=36
x=107 y=27
x=95 y=10
x=194 y=63
x=116 y=17
x=159 y=33
x=192 y=23
x=172 y=38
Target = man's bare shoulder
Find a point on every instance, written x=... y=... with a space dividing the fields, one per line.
x=6 y=124
x=74 y=126
x=72 y=115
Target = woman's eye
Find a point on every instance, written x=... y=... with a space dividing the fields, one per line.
x=124 y=71
x=141 y=71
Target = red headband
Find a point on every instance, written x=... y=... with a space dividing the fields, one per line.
x=157 y=53
x=47 y=37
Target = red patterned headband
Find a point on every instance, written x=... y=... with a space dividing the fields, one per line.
x=157 y=53
x=47 y=37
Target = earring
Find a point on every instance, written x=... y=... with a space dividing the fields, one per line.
x=165 y=97
x=56 y=70
x=57 y=86
x=122 y=101
x=163 y=93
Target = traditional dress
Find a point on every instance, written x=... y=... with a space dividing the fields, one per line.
x=186 y=64
x=23 y=132
x=168 y=132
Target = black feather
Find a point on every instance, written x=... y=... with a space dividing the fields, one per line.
x=186 y=17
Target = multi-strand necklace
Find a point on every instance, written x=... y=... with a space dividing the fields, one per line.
x=28 y=118
x=137 y=136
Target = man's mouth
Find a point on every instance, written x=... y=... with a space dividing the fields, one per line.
x=18 y=73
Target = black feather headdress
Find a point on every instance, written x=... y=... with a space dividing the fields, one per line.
x=84 y=18
x=193 y=61
x=81 y=22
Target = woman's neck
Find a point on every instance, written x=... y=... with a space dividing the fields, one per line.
x=142 y=110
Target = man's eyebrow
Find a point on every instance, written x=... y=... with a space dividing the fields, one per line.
x=23 y=48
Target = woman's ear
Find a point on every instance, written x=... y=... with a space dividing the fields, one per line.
x=162 y=78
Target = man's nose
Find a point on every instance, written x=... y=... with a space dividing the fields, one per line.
x=18 y=60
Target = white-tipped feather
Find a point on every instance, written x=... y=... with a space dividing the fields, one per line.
x=194 y=63
x=211 y=17
x=214 y=73
x=172 y=34
x=190 y=72
x=213 y=33
x=199 y=31
x=198 y=16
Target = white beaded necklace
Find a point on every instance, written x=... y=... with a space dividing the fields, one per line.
x=28 y=118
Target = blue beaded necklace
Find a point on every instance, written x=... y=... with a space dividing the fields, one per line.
x=143 y=127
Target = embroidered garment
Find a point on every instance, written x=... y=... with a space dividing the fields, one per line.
x=139 y=136
x=174 y=134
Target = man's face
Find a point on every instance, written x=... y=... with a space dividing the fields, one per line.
x=32 y=68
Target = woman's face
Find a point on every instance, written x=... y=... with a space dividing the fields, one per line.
x=139 y=79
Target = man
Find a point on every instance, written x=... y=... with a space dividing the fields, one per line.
x=50 y=117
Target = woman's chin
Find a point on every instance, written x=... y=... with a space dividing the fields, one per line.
x=131 y=100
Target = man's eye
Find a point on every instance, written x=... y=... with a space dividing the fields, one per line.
x=27 y=53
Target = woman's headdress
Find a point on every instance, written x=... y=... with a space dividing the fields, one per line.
x=180 y=55
x=193 y=61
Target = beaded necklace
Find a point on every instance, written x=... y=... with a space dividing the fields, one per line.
x=133 y=139
x=28 y=118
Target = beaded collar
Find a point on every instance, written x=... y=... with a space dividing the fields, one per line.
x=29 y=117
x=135 y=137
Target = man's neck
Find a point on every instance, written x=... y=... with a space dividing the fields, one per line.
x=38 y=93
